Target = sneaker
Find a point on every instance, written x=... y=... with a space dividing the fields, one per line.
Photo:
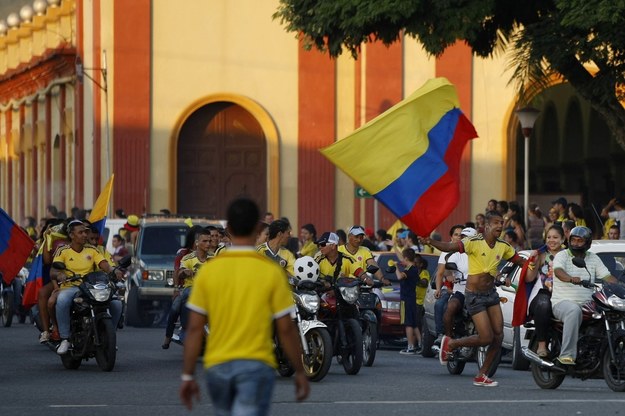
x=566 y=360
x=444 y=352
x=63 y=347
x=438 y=340
x=408 y=351
x=484 y=381
x=44 y=337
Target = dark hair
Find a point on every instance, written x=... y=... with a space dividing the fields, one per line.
x=73 y=224
x=570 y=224
x=342 y=235
x=242 y=215
x=53 y=210
x=119 y=237
x=278 y=226
x=413 y=237
x=512 y=235
x=492 y=214
x=409 y=254
x=454 y=227
x=514 y=207
x=494 y=201
x=535 y=209
x=470 y=224
x=31 y=221
x=204 y=231
x=311 y=229
x=557 y=228
x=190 y=236
x=577 y=210
x=381 y=233
x=503 y=204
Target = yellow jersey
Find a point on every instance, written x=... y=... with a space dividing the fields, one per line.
x=241 y=292
x=308 y=249
x=348 y=267
x=362 y=255
x=283 y=257
x=483 y=258
x=421 y=290
x=191 y=262
x=80 y=263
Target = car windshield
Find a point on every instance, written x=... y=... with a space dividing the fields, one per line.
x=615 y=263
x=163 y=240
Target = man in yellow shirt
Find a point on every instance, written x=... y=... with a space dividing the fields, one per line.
x=279 y=235
x=354 y=249
x=241 y=294
x=79 y=258
x=485 y=252
x=334 y=264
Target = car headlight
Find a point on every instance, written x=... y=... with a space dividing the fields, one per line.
x=100 y=292
x=390 y=306
x=153 y=275
x=617 y=303
x=350 y=294
x=310 y=302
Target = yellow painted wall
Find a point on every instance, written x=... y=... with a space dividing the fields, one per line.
x=229 y=47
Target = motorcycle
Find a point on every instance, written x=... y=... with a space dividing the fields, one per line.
x=601 y=343
x=370 y=309
x=340 y=313
x=464 y=326
x=92 y=333
x=11 y=299
x=314 y=335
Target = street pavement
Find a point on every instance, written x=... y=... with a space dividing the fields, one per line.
x=145 y=381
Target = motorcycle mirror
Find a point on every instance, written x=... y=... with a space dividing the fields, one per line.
x=579 y=262
x=125 y=261
x=59 y=265
x=451 y=266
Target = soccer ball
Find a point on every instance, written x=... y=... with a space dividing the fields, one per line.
x=306 y=268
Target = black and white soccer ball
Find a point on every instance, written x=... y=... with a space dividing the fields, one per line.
x=306 y=268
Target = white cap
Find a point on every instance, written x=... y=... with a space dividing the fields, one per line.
x=469 y=232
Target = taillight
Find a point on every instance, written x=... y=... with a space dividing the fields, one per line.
x=144 y=275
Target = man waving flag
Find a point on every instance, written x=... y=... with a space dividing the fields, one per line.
x=408 y=157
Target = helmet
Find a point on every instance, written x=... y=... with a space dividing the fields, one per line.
x=583 y=233
x=306 y=268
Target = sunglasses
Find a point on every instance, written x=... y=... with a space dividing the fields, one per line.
x=322 y=245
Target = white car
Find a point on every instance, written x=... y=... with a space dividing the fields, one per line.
x=611 y=252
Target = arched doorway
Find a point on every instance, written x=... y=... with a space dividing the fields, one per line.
x=221 y=155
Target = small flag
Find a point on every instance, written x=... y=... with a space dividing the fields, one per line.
x=15 y=247
x=101 y=206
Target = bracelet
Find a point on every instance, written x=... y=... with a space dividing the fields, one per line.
x=187 y=377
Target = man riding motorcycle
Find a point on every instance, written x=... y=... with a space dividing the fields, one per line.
x=568 y=295
x=79 y=258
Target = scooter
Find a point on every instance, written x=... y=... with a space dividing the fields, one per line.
x=370 y=309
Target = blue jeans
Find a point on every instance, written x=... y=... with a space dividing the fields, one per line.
x=241 y=388
x=64 y=304
x=439 y=310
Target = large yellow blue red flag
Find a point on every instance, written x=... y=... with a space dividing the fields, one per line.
x=101 y=206
x=408 y=157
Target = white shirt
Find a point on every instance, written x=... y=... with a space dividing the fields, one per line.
x=460 y=276
x=576 y=293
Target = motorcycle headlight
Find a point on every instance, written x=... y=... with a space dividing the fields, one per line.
x=100 y=292
x=617 y=303
x=391 y=305
x=350 y=294
x=310 y=302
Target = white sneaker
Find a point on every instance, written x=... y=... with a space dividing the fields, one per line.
x=44 y=337
x=63 y=347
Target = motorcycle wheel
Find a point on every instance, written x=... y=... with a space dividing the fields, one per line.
x=369 y=343
x=106 y=352
x=543 y=378
x=317 y=363
x=614 y=371
x=6 y=317
x=519 y=362
x=455 y=366
x=352 y=352
x=427 y=340
x=70 y=362
x=481 y=357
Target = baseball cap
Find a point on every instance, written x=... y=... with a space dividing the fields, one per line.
x=328 y=238
x=468 y=232
x=562 y=201
x=356 y=230
x=404 y=234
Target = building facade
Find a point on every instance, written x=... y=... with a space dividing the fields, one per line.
x=193 y=103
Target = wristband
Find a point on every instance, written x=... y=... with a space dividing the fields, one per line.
x=187 y=377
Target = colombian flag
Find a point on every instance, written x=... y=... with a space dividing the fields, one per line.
x=408 y=157
x=100 y=209
x=15 y=247
x=34 y=281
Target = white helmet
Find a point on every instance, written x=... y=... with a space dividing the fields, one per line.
x=306 y=268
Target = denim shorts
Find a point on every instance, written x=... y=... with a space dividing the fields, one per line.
x=477 y=302
x=241 y=387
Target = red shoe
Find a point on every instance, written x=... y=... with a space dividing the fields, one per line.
x=484 y=381
x=444 y=351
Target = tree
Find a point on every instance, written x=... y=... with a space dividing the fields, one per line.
x=580 y=40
